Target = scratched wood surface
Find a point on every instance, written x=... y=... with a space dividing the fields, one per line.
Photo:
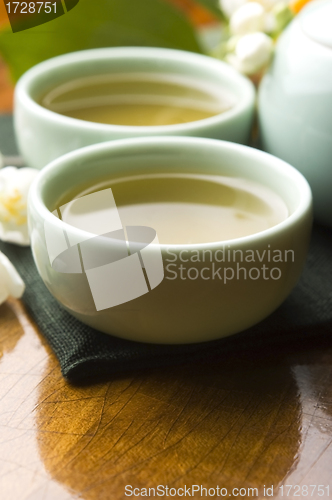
x=255 y=420
x=246 y=422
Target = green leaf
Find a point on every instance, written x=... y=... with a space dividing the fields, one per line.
x=213 y=7
x=99 y=23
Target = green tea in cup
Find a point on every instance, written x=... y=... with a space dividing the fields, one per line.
x=100 y=95
x=182 y=190
x=184 y=208
x=138 y=99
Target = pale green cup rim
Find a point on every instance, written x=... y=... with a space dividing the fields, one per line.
x=33 y=76
x=292 y=178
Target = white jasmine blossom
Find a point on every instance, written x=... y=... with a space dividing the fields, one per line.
x=230 y=6
x=248 y=18
x=14 y=187
x=270 y=23
x=252 y=28
x=252 y=52
x=11 y=284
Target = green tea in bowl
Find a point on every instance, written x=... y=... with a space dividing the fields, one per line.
x=99 y=95
x=138 y=99
x=170 y=239
x=182 y=208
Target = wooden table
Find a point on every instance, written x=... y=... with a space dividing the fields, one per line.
x=245 y=422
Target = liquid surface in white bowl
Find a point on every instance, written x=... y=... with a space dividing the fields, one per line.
x=138 y=99
x=183 y=209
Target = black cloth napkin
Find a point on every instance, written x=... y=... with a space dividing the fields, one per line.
x=86 y=355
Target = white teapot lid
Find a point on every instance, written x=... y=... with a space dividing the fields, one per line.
x=316 y=22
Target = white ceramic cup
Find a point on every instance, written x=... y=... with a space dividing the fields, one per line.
x=175 y=310
x=44 y=135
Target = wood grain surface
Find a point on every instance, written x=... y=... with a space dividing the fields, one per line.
x=257 y=420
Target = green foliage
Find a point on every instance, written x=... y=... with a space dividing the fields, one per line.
x=100 y=23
